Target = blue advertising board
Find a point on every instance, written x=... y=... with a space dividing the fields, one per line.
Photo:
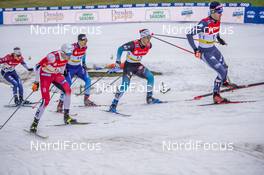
x=254 y=15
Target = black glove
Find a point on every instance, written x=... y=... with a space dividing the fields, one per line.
x=65 y=72
x=221 y=41
x=30 y=69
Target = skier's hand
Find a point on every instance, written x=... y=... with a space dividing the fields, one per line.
x=221 y=41
x=65 y=72
x=30 y=69
x=197 y=53
x=35 y=86
x=115 y=69
x=117 y=64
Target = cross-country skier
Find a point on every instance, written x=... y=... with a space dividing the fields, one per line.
x=50 y=70
x=208 y=31
x=135 y=51
x=77 y=67
x=10 y=61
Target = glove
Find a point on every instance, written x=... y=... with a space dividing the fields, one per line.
x=116 y=68
x=85 y=67
x=197 y=53
x=35 y=86
x=30 y=69
x=65 y=72
x=221 y=41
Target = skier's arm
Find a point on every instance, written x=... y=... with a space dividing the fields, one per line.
x=126 y=47
x=220 y=40
x=46 y=64
x=37 y=70
x=24 y=64
x=84 y=62
x=4 y=59
x=194 y=31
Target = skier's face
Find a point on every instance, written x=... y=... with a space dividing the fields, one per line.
x=145 y=40
x=17 y=57
x=216 y=16
x=65 y=56
x=83 y=43
x=217 y=13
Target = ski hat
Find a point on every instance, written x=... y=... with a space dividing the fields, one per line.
x=17 y=51
x=216 y=7
x=67 y=49
x=82 y=37
x=144 y=33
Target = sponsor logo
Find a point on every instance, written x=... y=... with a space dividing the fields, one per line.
x=157 y=15
x=86 y=16
x=122 y=15
x=53 y=16
x=238 y=13
x=261 y=14
x=251 y=14
x=22 y=18
x=187 y=12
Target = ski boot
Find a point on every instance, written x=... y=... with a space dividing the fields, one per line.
x=218 y=99
x=151 y=100
x=67 y=118
x=88 y=102
x=113 y=106
x=60 y=106
x=230 y=85
x=34 y=125
x=22 y=101
x=16 y=100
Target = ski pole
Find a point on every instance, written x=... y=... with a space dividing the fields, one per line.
x=186 y=50
x=10 y=100
x=170 y=36
x=178 y=37
x=89 y=86
x=15 y=111
x=113 y=82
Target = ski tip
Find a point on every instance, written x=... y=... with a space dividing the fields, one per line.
x=198 y=97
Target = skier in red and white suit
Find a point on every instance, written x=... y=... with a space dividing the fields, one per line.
x=50 y=70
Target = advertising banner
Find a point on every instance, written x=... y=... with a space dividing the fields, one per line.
x=254 y=15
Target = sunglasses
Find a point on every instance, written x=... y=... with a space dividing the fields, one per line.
x=218 y=10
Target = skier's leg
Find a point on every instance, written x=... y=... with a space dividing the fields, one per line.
x=62 y=84
x=213 y=59
x=45 y=82
x=8 y=77
x=68 y=77
x=127 y=74
x=144 y=72
x=20 y=87
x=82 y=74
